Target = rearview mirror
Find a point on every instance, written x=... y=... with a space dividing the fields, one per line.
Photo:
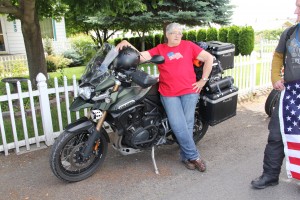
x=157 y=59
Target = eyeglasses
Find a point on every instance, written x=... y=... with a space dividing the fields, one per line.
x=176 y=33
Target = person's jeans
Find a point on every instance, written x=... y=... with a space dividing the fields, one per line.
x=181 y=112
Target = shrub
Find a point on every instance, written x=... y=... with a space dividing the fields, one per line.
x=51 y=67
x=223 y=34
x=269 y=34
x=233 y=37
x=158 y=39
x=84 y=45
x=184 y=35
x=14 y=68
x=149 y=42
x=57 y=62
x=246 y=40
x=212 y=34
x=48 y=48
x=117 y=41
x=137 y=42
x=201 y=35
x=19 y=68
x=2 y=71
x=192 y=35
x=75 y=57
x=132 y=40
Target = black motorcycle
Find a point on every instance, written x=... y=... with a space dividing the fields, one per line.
x=122 y=100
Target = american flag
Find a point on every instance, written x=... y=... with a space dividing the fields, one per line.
x=289 y=117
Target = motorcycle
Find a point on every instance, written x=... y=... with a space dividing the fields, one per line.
x=123 y=99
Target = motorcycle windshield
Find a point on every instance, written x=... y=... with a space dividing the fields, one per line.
x=97 y=70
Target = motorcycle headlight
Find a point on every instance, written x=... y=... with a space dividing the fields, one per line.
x=85 y=92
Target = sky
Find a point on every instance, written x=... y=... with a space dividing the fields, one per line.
x=249 y=11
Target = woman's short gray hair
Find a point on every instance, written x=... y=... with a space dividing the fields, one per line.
x=173 y=26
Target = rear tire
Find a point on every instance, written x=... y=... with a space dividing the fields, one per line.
x=66 y=161
x=271 y=102
x=200 y=127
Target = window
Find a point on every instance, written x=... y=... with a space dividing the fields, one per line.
x=2 y=44
x=47 y=28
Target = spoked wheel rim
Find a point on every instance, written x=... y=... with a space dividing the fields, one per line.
x=71 y=159
x=199 y=129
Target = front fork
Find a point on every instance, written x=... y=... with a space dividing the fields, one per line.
x=92 y=144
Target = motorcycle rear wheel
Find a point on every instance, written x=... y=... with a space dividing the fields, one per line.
x=200 y=127
x=199 y=130
x=66 y=161
x=271 y=102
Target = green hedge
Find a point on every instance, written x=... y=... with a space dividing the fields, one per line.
x=223 y=34
x=241 y=37
x=233 y=37
x=212 y=34
x=246 y=40
x=201 y=35
x=192 y=35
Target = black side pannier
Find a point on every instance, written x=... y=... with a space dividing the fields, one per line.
x=218 y=107
x=224 y=52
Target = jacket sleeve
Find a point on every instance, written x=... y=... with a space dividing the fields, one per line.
x=277 y=64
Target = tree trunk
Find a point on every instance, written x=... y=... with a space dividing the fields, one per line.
x=165 y=24
x=143 y=42
x=34 y=47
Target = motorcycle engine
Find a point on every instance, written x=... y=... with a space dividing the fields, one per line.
x=141 y=130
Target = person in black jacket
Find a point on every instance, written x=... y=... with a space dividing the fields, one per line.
x=274 y=151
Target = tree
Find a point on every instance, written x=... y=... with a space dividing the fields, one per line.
x=102 y=18
x=190 y=12
x=29 y=12
x=143 y=16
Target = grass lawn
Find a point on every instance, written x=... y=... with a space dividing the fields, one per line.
x=68 y=72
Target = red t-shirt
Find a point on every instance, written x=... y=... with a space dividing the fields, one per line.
x=177 y=72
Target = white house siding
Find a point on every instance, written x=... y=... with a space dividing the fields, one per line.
x=60 y=29
x=60 y=43
x=14 y=37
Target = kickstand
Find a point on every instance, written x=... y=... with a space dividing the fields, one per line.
x=153 y=160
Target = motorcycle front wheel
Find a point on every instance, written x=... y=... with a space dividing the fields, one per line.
x=66 y=160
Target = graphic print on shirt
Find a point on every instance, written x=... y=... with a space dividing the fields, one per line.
x=173 y=55
x=294 y=50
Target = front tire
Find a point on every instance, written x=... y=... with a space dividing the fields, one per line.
x=66 y=161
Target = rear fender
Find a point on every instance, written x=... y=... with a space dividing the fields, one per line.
x=84 y=124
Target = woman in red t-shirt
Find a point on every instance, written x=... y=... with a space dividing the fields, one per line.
x=178 y=88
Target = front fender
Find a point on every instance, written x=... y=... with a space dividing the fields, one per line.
x=83 y=124
x=79 y=104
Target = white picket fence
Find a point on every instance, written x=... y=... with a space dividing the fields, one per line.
x=35 y=110
x=41 y=103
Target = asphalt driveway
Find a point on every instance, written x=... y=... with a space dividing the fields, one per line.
x=233 y=151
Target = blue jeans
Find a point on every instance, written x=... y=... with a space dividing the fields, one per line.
x=181 y=112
